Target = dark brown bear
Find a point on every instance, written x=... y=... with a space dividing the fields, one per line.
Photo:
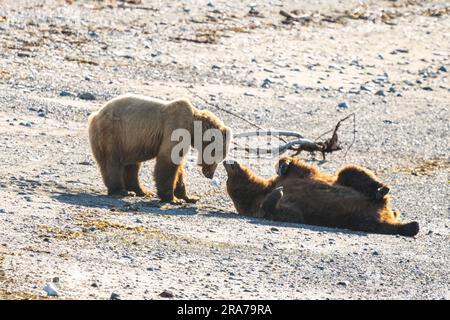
x=349 y=175
x=310 y=201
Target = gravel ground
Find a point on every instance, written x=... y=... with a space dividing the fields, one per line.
x=388 y=60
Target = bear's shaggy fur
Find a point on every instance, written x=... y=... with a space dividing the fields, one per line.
x=131 y=129
x=349 y=175
x=310 y=201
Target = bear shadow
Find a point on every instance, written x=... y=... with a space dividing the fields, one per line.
x=100 y=201
x=154 y=206
x=281 y=224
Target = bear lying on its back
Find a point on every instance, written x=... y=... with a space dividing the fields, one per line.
x=311 y=201
x=131 y=129
x=349 y=175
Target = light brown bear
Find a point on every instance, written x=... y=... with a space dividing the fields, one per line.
x=309 y=201
x=131 y=129
x=349 y=175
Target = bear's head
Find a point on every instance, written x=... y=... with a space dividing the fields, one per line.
x=215 y=142
x=243 y=186
x=295 y=167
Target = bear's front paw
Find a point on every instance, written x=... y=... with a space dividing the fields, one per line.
x=172 y=200
x=191 y=198
x=176 y=201
x=144 y=193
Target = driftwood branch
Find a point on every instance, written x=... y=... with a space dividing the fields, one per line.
x=268 y=133
x=297 y=146
x=300 y=144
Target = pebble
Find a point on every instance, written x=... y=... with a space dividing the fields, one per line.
x=51 y=290
x=65 y=94
x=342 y=283
x=114 y=296
x=343 y=105
x=166 y=294
x=26 y=124
x=266 y=83
x=442 y=69
x=215 y=182
x=86 y=96
x=380 y=93
x=55 y=280
x=365 y=88
x=427 y=88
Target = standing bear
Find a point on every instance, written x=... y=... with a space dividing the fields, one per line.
x=131 y=129
x=310 y=198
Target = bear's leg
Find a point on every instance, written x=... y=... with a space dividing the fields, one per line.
x=404 y=229
x=180 y=187
x=165 y=175
x=131 y=180
x=362 y=180
x=270 y=203
x=112 y=173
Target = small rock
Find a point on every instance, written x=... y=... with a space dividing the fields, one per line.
x=343 y=105
x=266 y=83
x=86 y=96
x=442 y=69
x=166 y=294
x=2 y=210
x=273 y=229
x=55 y=280
x=342 y=283
x=215 y=182
x=408 y=83
x=92 y=228
x=400 y=50
x=427 y=88
x=26 y=124
x=114 y=296
x=94 y=285
x=380 y=93
x=375 y=253
x=51 y=290
x=65 y=94
x=215 y=67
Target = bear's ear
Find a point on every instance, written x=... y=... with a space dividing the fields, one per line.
x=283 y=166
